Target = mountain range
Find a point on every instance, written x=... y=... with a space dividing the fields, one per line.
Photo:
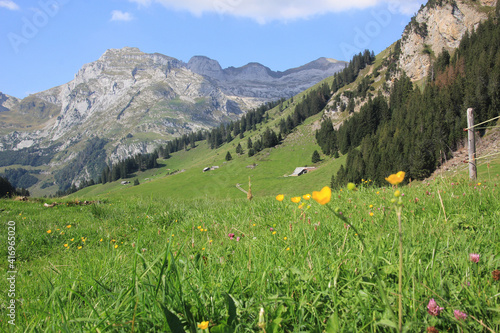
x=129 y=102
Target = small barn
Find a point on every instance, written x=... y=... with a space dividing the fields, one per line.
x=299 y=171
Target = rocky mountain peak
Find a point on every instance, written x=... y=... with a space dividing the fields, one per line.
x=205 y=66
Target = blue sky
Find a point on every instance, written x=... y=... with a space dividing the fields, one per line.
x=43 y=43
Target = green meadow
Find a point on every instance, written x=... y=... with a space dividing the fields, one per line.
x=175 y=253
x=185 y=249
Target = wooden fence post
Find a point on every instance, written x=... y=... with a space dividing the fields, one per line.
x=471 y=144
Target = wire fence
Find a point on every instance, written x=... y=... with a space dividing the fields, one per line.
x=475 y=126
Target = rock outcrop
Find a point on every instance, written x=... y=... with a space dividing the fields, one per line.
x=438 y=25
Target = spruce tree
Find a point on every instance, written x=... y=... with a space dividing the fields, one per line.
x=315 y=157
x=239 y=150
x=228 y=156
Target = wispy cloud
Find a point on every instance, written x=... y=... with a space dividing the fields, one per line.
x=9 y=4
x=265 y=11
x=118 y=15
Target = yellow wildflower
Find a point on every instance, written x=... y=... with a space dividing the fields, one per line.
x=116 y=246
x=371 y=213
x=295 y=199
x=68 y=226
x=397 y=178
x=203 y=325
x=306 y=196
x=79 y=248
x=49 y=231
x=322 y=197
x=65 y=245
x=280 y=197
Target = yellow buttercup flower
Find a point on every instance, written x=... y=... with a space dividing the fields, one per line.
x=49 y=231
x=296 y=199
x=280 y=197
x=397 y=178
x=322 y=197
x=306 y=196
x=203 y=325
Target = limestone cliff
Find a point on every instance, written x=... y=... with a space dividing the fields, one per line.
x=438 y=25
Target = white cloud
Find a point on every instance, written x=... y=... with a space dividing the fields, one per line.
x=9 y=4
x=282 y=10
x=118 y=15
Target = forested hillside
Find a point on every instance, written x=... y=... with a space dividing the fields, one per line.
x=416 y=129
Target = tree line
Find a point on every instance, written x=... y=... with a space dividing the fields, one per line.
x=8 y=190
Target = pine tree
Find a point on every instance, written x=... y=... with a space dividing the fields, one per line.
x=239 y=149
x=228 y=156
x=315 y=157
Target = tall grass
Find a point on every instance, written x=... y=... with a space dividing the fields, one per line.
x=150 y=264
